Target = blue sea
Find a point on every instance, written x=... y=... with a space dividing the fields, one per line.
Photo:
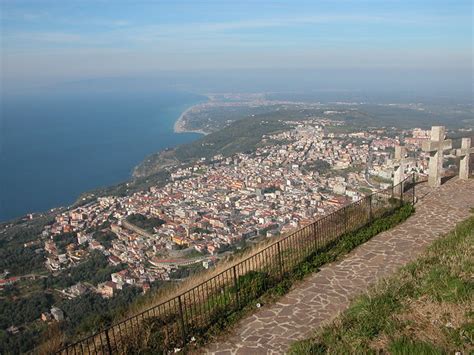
x=56 y=144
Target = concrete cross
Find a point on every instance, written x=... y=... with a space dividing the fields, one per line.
x=465 y=154
x=436 y=146
x=399 y=165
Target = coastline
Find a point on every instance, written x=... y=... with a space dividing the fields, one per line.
x=74 y=195
x=180 y=123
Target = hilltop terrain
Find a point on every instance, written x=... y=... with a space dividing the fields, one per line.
x=235 y=123
x=315 y=151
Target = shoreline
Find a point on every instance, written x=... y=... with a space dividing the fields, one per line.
x=180 y=123
x=179 y=127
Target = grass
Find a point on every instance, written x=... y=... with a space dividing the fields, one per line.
x=426 y=308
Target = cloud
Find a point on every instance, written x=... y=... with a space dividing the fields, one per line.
x=31 y=16
x=125 y=45
x=122 y=32
x=98 y=22
x=50 y=37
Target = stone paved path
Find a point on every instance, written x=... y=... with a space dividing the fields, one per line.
x=323 y=295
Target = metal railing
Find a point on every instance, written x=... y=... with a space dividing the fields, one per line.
x=181 y=319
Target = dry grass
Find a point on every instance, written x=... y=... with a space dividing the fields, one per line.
x=54 y=340
x=424 y=320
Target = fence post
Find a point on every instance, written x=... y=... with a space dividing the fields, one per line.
x=414 y=183
x=181 y=316
x=236 y=286
x=401 y=193
x=345 y=219
x=108 y=341
x=315 y=235
x=370 y=208
x=280 y=262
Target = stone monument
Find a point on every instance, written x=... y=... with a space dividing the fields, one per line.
x=465 y=154
x=399 y=165
x=436 y=147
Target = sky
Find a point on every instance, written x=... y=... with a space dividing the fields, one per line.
x=55 y=41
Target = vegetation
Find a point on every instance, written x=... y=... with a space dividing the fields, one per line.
x=22 y=303
x=23 y=310
x=270 y=189
x=105 y=237
x=90 y=312
x=14 y=257
x=345 y=172
x=21 y=342
x=18 y=311
x=145 y=223
x=94 y=270
x=84 y=315
x=20 y=231
x=240 y=136
x=380 y=180
x=215 y=118
x=19 y=260
x=365 y=190
x=155 y=178
x=320 y=166
x=187 y=271
x=426 y=308
x=63 y=240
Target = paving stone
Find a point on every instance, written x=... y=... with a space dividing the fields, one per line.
x=323 y=295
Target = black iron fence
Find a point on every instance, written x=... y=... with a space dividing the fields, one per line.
x=181 y=319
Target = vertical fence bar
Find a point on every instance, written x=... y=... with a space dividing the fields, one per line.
x=181 y=317
x=280 y=264
x=207 y=302
x=370 y=209
x=315 y=236
x=413 y=192
x=345 y=219
x=401 y=193
x=109 y=348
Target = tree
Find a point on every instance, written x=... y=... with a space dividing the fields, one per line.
x=320 y=166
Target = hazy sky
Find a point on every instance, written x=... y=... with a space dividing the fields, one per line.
x=47 y=41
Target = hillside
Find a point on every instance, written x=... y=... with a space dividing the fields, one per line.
x=241 y=135
x=243 y=132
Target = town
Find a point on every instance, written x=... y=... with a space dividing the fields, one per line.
x=216 y=206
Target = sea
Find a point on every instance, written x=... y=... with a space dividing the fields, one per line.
x=57 y=143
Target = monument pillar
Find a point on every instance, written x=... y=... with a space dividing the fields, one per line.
x=465 y=154
x=399 y=165
x=436 y=147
